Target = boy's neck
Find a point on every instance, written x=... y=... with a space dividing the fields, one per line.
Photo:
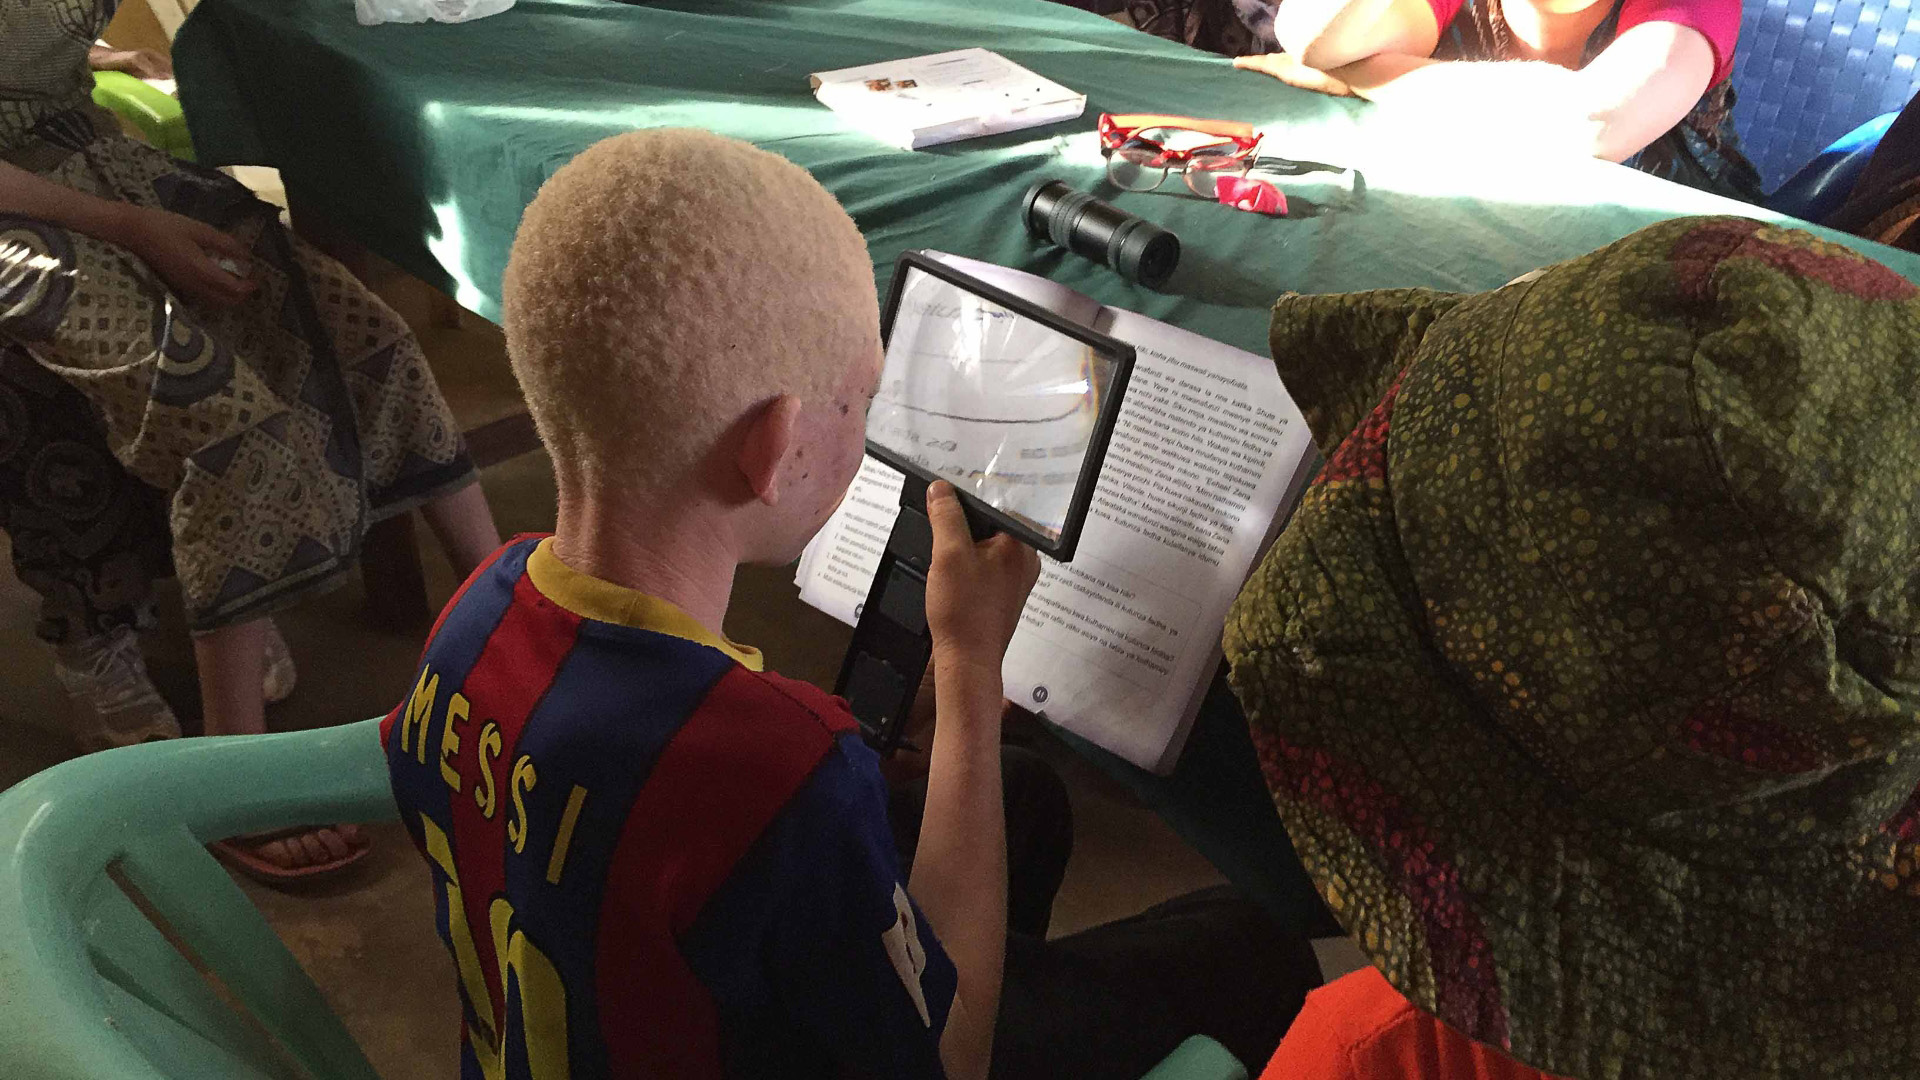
x=686 y=561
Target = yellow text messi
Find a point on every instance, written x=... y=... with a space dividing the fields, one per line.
x=417 y=721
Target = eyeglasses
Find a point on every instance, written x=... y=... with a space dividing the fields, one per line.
x=1142 y=148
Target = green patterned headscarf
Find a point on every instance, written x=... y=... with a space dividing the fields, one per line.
x=1587 y=677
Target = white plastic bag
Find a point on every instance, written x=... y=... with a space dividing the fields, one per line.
x=375 y=12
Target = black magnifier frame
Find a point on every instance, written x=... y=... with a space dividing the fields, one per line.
x=982 y=516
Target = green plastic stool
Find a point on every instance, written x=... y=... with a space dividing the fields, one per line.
x=92 y=989
x=154 y=114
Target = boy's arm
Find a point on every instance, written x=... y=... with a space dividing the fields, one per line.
x=975 y=593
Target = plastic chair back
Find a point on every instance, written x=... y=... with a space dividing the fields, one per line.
x=1199 y=1058
x=1808 y=71
x=1821 y=187
x=154 y=114
x=127 y=951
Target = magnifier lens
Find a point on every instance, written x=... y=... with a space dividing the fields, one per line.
x=1000 y=405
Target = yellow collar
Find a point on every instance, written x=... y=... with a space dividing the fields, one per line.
x=591 y=598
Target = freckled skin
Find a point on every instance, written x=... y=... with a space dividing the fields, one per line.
x=837 y=432
x=846 y=444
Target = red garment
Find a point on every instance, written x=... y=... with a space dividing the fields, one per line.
x=1717 y=20
x=1358 y=1027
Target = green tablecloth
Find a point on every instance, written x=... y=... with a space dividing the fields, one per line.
x=426 y=142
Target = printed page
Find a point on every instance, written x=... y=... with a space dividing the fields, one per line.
x=838 y=566
x=1117 y=646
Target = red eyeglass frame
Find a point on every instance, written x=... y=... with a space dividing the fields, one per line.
x=1116 y=129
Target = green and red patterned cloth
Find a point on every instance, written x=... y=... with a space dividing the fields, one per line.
x=1587 y=676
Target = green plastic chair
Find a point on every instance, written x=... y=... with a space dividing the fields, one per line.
x=111 y=909
x=92 y=987
x=154 y=114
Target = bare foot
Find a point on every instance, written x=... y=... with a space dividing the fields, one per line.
x=297 y=854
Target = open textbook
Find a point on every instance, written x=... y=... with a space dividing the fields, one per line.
x=1120 y=645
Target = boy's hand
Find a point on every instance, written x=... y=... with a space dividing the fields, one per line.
x=975 y=592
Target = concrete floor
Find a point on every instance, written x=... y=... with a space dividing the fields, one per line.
x=367 y=936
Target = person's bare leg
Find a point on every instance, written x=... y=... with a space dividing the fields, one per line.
x=463 y=524
x=231 y=663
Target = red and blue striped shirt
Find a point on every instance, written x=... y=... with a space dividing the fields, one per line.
x=651 y=858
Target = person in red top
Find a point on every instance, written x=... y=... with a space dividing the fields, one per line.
x=1358 y=1027
x=1642 y=82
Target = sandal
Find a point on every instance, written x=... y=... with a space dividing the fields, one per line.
x=307 y=854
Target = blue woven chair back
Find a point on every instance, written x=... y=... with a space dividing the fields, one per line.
x=1808 y=71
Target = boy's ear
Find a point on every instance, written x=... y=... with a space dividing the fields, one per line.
x=769 y=435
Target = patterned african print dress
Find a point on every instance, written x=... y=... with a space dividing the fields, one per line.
x=257 y=441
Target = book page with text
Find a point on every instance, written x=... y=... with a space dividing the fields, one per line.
x=1119 y=645
x=838 y=566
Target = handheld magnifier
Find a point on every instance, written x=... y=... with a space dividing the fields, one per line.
x=1010 y=403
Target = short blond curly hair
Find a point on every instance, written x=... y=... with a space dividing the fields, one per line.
x=666 y=281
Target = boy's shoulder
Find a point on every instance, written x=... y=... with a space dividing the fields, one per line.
x=802 y=701
x=502 y=632
x=760 y=728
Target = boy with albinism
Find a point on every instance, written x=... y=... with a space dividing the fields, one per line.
x=652 y=856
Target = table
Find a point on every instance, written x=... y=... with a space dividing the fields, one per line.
x=425 y=143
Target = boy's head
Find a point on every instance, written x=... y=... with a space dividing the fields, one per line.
x=693 y=321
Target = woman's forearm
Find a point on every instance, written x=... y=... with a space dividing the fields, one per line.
x=31 y=195
x=1398 y=79
x=1545 y=103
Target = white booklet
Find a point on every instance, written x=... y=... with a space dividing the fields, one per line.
x=944 y=97
x=1119 y=646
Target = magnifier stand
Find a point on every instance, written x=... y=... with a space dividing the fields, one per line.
x=891 y=646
